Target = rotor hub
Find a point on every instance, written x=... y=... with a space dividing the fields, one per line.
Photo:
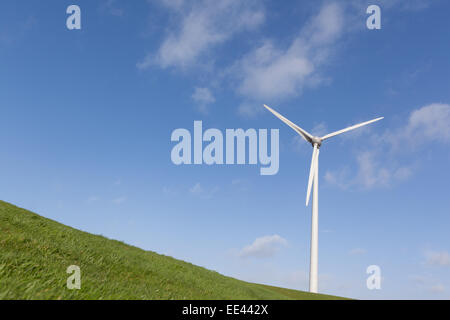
x=317 y=141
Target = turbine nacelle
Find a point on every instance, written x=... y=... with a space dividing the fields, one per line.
x=316 y=141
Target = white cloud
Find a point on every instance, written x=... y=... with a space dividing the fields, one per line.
x=418 y=279
x=201 y=192
x=266 y=72
x=173 y=4
x=269 y=72
x=403 y=173
x=263 y=247
x=371 y=172
x=429 y=123
x=338 y=178
x=92 y=199
x=437 y=288
x=357 y=251
x=320 y=129
x=250 y=109
x=196 y=189
x=378 y=168
x=111 y=8
x=428 y=283
x=273 y=70
x=203 y=97
x=169 y=191
x=203 y=25
x=119 y=200
x=438 y=258
x=240 y=185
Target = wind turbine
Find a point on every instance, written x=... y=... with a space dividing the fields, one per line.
x=316 y=142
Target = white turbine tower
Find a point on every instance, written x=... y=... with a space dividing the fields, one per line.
x=316 y=142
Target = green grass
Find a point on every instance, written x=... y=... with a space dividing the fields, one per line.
x=35 y=253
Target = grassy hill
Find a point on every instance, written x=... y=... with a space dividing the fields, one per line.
x=35 y=253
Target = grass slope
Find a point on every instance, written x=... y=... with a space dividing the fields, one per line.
x=35 y=253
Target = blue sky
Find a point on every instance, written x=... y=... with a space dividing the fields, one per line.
x=87 y=117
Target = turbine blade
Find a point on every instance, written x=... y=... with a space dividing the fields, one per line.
x=312 y=170
x=349 y=128
x=305 y=135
